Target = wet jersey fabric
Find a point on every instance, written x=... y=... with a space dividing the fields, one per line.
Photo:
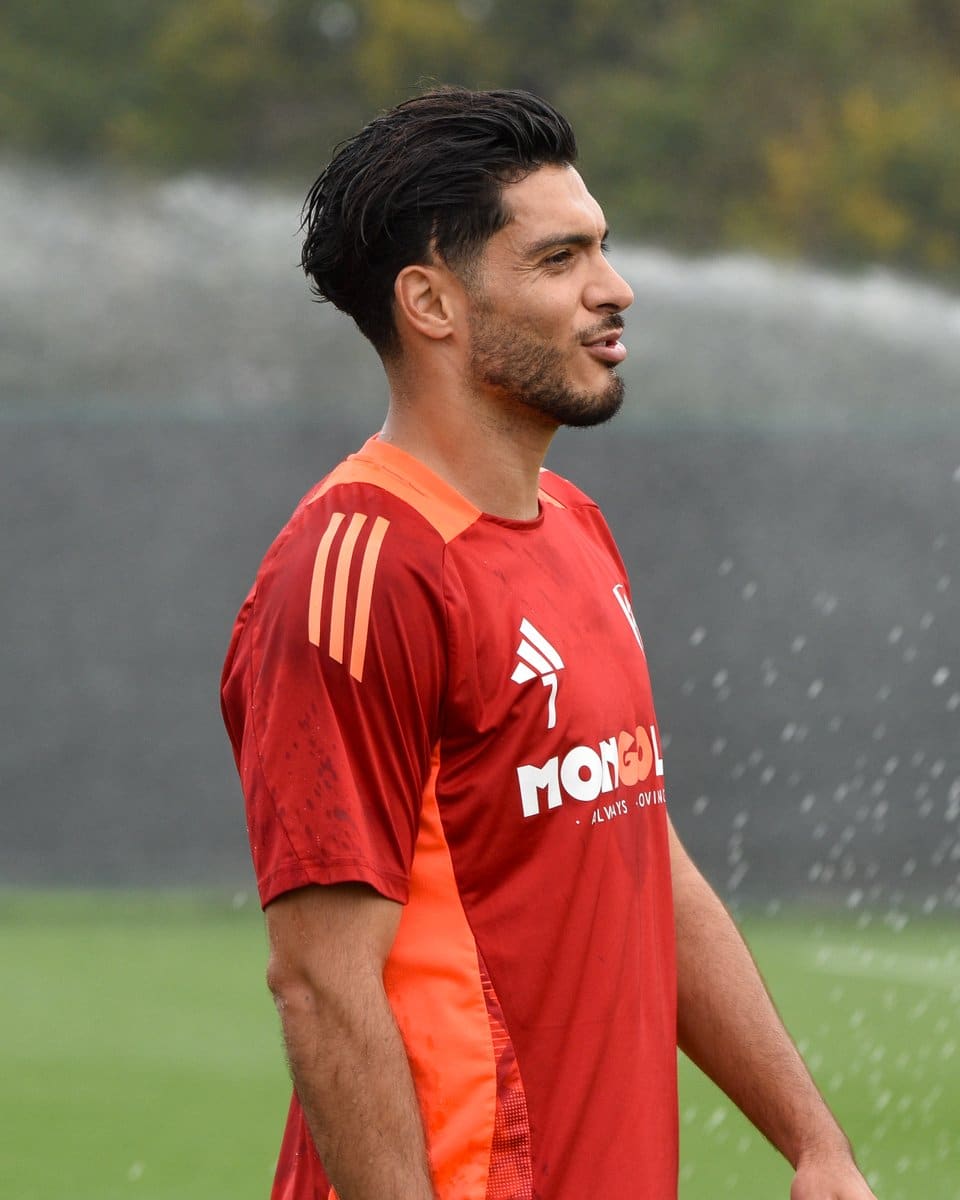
x=455 y=709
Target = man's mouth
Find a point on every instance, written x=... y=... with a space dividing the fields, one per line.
x=606 y=346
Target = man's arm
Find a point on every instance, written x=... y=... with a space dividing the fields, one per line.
x=728 y=1026
x=328 y=946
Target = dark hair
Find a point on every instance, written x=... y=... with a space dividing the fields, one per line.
x=424 y=177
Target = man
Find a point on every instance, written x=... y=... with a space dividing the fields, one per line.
x=486 y=941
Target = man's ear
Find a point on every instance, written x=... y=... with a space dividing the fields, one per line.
x=427 y=299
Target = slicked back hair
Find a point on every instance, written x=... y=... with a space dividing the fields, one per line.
x=422 y=180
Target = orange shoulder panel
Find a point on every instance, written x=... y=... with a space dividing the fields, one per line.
x=405 y=477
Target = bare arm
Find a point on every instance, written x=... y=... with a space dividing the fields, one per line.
x=328 y=946
x=728 y=1026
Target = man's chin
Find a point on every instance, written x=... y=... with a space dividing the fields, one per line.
x=583 y=412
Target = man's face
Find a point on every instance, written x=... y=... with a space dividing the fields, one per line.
x=545 y=308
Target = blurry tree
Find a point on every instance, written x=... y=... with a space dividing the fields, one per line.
x=804 y=126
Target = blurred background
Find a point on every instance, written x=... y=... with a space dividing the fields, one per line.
x=783 y=185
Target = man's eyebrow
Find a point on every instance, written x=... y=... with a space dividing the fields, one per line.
x=563 y=239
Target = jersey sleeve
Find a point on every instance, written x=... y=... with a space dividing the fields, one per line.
x=332 y=693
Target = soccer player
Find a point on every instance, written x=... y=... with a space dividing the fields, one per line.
x=486 y=941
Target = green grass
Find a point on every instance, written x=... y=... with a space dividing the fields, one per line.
x=140 y=1054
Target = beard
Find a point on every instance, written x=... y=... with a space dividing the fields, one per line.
x=522 y=367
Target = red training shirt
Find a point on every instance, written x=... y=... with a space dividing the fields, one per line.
x=455 y=709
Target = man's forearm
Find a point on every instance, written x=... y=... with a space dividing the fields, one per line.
x=728 y=1026
x=353 y=1079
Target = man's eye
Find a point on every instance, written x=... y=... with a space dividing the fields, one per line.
x=558 y=259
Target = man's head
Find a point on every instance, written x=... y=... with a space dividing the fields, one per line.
x=423 y=180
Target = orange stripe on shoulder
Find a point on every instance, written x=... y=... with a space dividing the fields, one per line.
x=405 y=477
x=544 y=495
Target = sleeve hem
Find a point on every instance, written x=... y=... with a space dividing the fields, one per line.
x=288 y=878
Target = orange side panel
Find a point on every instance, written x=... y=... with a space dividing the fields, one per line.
x=433 y=981
x=405 y=477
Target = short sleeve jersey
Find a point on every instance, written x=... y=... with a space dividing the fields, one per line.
x=455 y=709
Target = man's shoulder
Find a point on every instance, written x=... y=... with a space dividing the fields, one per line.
x=562 y=493
x=384 y=482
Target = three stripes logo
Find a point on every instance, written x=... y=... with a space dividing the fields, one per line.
x=341 y=590
x=538 y=660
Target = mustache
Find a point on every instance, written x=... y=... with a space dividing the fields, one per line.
x=612 y=324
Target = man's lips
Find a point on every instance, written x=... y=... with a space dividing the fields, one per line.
x=606 y=346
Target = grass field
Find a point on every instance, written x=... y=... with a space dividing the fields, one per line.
x=141 y=1056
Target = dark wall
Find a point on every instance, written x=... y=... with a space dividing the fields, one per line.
x=797 y=593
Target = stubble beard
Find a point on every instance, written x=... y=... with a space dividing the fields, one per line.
x=523 y=369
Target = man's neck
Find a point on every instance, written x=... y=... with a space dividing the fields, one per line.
x=491 y=456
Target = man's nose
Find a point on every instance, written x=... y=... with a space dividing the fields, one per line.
x=608 y=291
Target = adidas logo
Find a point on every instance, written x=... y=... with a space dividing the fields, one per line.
x=538 y=660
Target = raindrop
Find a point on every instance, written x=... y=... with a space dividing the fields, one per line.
x=910 y=654
x=700 y=805
x=891 y=765
x=879 y=732
x=715 y=1120
x=940 y=676
x=808 y=802
x=825 y=603
x=768 y=774
x=956 y=475
x=855 y=899
x=720 y=678
x=718 y=746
x=943 y=583
x=798 y=644
x=725 y=567
x=135 y=1172
x=884 y=693
x=895 y=634
x=788 y=732
x=697 y=636
x=954 y=702
x=815 y=688
x=749 y=590
x=926 y=620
